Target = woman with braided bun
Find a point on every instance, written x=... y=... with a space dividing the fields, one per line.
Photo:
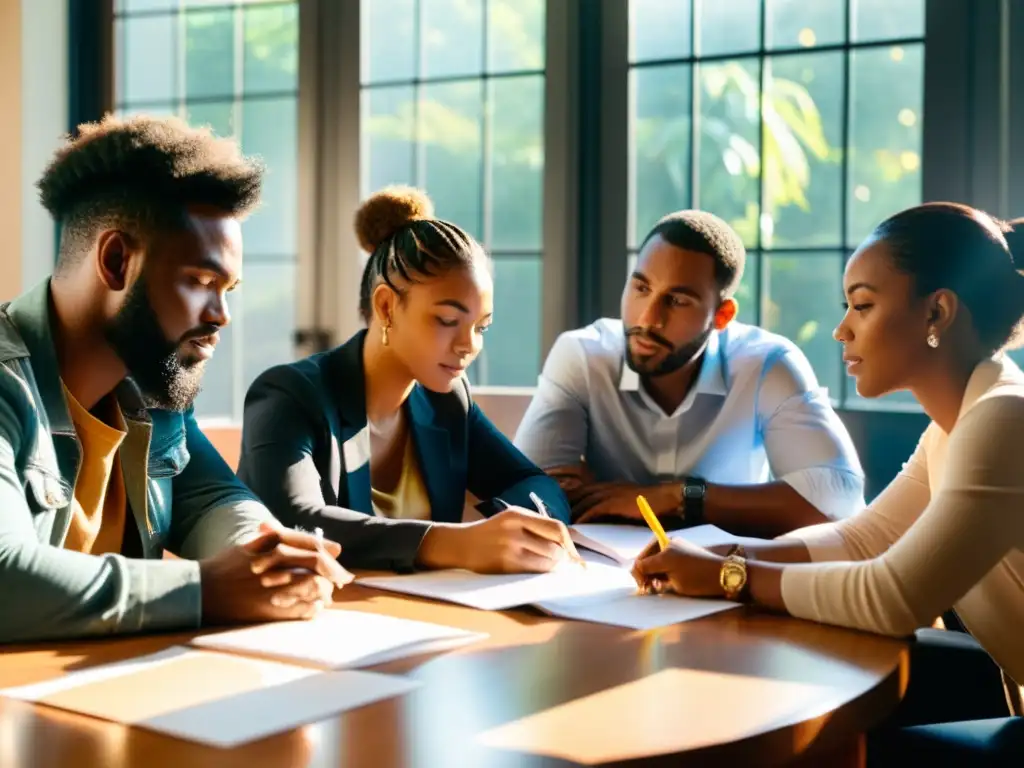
x=378 y=441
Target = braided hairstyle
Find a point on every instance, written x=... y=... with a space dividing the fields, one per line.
x=396 y=226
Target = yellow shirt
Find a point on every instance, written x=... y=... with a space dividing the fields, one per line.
x=408 y=499
x=99 y=506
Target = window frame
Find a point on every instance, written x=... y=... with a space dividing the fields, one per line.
x=973 y=54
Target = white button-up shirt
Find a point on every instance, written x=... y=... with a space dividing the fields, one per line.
x=755 y=412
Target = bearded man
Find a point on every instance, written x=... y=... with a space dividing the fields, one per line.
x=712 y=420
x=102 y=464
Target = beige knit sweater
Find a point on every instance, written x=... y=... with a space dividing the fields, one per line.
x=948 y=531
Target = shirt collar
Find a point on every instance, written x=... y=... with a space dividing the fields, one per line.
x=710 y=380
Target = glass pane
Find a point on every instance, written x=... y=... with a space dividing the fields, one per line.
x=147 y=58
x=747 y=295
x=660 y=145
x=884 y=19
x=160 y=110
x=210 y=53
x=268 y=130
x=511 y=353
x=517 y=162
x=729 y=146
x=188 y=3
x=515 y=35
x=131 y=6
x=659 y=29
x=802 y=301
x=219 y=115
x=388 y=136
x=268 y=322
x=450 y=119
x=271 y=48
x=217 y=398
x=452 y=37
x=387 y=40
x=802 y=151
x=799 y=24
x=1017 y=355
x=886 y=102
x=728 y=27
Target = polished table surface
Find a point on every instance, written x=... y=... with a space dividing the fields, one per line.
x=737 y=688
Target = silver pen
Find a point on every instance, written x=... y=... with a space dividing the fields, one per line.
x=538 y=502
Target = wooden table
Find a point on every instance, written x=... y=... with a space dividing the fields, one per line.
x=738 y=688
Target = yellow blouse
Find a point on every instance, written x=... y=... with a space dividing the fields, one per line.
x=408 y=500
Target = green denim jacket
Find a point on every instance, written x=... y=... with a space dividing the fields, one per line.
x=181 y=493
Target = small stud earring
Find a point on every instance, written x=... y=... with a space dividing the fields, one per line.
x=384 y=334
x=933 y=340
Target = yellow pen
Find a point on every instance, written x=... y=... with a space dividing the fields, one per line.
x=652 y=521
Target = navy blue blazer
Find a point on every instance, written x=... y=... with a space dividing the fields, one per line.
x=305 y=453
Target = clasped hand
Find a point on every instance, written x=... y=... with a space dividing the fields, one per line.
x=280 y=574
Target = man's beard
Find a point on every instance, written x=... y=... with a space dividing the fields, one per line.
x=165 y=379
x=673 y=361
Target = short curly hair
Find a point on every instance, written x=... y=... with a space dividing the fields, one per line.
x=141 y=173
x=705 y=233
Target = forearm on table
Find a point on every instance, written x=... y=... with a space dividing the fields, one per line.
x=571 y=478
x=765 y=511
x=765 y=584
x=763 y=550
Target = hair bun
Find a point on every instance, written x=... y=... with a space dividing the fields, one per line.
x=385 y=212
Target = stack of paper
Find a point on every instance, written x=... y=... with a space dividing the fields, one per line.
x=502 y=591
x=209 y=697
x=340 y=639
x=624 y=543
x=226 y=699
x=600 y=593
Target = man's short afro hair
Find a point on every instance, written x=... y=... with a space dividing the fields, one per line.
x=145 y=170
x=704 y=232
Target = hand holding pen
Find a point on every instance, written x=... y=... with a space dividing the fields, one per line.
x=515 y=540
x=567 y=542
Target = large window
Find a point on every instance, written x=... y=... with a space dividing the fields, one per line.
x=453 y=102
x=232 y=66
x=799 y=123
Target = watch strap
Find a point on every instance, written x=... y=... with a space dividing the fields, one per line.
x=694 y=490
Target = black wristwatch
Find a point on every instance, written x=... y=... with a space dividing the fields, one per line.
x=694 y=490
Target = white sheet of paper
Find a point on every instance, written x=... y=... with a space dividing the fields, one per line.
x=339 y=639
x=229 y=700
x=635 y=611
x=623 y=543
x=499 y=592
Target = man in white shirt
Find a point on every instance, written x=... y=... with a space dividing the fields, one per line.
x=710 y=419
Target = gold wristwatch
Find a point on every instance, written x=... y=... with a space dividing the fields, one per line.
x=733 y=575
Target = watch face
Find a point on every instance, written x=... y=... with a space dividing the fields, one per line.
x=733 y=579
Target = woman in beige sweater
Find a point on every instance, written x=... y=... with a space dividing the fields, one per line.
x=932 y=296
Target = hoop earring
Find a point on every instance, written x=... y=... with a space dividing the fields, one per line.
x=933 y=339
x=384 y=335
